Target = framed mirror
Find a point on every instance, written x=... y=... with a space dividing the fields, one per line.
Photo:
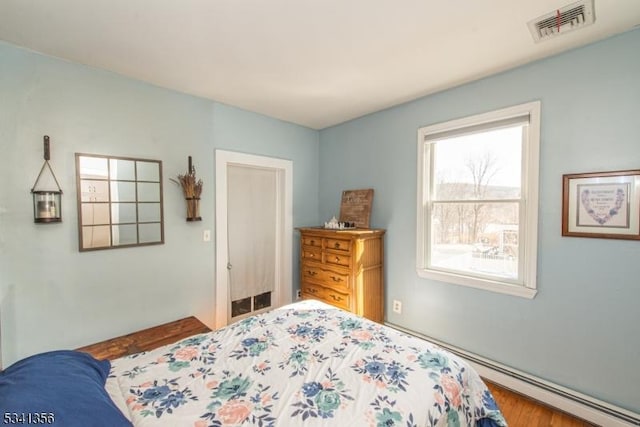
x=119 y=202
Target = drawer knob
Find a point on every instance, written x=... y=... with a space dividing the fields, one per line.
x=337 y=245
x=336 y=279
x=335 y=298
x=311 y=273
x=312 y=242
x=311 y=255
x=337 y=259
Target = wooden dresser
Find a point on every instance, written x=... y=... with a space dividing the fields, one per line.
x=344 y=268
x=147 y=339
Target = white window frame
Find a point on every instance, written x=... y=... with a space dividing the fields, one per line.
x=528 y=238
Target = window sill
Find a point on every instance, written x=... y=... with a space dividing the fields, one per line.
x=478 y=283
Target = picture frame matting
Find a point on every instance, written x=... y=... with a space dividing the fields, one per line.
x=601 y=205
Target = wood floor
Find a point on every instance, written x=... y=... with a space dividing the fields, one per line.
x=521 y=411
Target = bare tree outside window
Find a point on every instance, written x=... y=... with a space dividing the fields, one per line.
x=482 y=169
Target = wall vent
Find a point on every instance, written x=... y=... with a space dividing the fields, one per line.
x=563 y=20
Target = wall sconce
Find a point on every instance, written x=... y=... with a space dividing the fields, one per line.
x=47 y=204
x=192 y=188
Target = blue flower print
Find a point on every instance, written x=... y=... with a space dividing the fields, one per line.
x=249 y=342
x=302 y=330
x=174 y=400
x=155 y=393
x=488 y=401
x=375 y=368
x=311 y=389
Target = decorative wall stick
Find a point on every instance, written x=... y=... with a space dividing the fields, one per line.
x=192 y=188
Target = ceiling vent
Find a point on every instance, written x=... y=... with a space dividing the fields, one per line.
x=568 y=18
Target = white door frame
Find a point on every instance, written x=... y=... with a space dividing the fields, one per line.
x=284 y=231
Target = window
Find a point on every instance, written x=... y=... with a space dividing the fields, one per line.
x=478 y=200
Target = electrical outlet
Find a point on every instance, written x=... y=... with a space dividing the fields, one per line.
x=397 y=306
x=206 y=235
x=299 y=294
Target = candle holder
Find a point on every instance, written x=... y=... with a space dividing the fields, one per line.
x=47 y=204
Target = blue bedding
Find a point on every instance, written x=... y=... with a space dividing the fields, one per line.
x=59 y=388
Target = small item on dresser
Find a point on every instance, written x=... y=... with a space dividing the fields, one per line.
x=334 y=224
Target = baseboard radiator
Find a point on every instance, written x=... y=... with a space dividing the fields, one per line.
x=580 y=405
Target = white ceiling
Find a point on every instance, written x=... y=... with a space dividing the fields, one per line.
x=312 y=62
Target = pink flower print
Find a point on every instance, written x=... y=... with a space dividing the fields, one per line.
x=370 y=419
x=161 y=359
x=411 y=358
x=200 y=423
x=451 y=390
x=212 y=384
x=327 y=385
x=187 y=353
x=130 y=399
x=234 y=412
x=146 y=384
x=265 y=399
x=439 y=399
x=361 y=335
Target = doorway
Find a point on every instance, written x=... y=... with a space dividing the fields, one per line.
x=254 y=235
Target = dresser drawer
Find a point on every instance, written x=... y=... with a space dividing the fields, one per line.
x=311 y=272
x=313 y=291
x=337 y=258
x=338 y=245
x=312 y=241
x=337 y=298
x=335 y=279
x=312 y=253
x=322 y=276
x=327 y=295
x=326 y=277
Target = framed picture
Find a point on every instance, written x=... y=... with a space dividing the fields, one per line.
x=601 y=204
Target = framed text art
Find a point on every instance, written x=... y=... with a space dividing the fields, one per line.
x=601 y=204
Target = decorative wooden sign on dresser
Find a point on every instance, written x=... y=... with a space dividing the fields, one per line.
x=344 y=268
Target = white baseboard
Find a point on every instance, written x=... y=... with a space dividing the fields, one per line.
x=580 y=405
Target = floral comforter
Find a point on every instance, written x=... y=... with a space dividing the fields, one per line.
x=304 y=364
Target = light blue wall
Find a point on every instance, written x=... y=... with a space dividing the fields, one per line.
x=583 y=328
x=52 y=296
x=580 y=331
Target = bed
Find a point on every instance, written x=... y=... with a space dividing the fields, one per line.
x=307 y=363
